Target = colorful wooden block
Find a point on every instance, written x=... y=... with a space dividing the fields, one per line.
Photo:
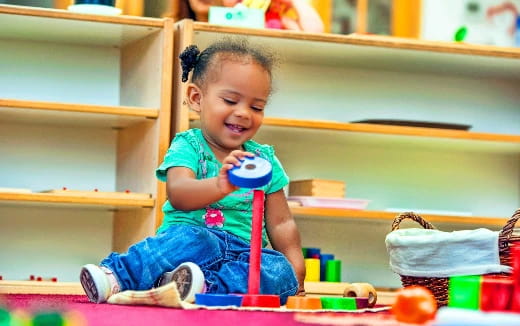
x=515 y=263
x=338 y=303
x=307 y=303
x=333 y=271
x=496 y=293
x=361 y=303
x=312 y=266
x=324 y=258
x=313 y=253
x=464 y=291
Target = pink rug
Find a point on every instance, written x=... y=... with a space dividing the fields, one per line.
x=107 y=314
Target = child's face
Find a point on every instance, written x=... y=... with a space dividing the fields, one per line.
x=232 y=104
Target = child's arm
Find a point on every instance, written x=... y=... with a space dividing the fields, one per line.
x=187 y=193
x=284 y=235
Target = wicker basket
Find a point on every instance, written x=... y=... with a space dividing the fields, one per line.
x=439 y=285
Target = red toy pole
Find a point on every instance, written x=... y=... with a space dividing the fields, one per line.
x=256 y=242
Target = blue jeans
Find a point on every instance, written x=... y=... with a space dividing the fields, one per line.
x=222 y=257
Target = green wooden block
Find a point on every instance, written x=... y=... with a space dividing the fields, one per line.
x=338 y=303
x=464 y=291
x=239 y=17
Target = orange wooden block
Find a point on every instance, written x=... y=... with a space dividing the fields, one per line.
x=309 y=303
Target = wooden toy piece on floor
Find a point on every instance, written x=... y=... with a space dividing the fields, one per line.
x=361 y=290
x=255 y=172
x=464 y=291
x=414 y=304
x=495 y=293
x=304 y=303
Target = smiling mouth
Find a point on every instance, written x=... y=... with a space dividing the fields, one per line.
x=235 y=128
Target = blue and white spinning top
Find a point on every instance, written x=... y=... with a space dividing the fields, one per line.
x=254 y=172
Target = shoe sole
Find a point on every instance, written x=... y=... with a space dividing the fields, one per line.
x=89 y=286
x=185 y=276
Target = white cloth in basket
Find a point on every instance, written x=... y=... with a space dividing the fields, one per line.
x=434 y=253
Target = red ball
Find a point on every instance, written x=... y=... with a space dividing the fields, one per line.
x=414 y=304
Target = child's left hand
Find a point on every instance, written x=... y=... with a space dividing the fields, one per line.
x=233 y=159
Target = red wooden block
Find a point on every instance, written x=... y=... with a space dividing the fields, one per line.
x=496 y=293
x=515 y=264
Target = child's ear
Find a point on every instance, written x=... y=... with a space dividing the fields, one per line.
x=194 y=97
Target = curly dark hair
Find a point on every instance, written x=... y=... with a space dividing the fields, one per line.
x=226 y=49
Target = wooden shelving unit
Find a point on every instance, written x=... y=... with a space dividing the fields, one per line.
x=85 y=103
x=325 y=83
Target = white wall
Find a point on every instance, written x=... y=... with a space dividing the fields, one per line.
x=441 y=19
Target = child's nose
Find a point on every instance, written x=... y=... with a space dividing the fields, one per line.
x=242 y=111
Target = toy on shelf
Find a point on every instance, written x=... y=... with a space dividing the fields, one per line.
x=42 y=279
x=297 y=15
x=317 y=188
x=460 y=34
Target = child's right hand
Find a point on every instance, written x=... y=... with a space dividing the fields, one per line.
x=234 y=158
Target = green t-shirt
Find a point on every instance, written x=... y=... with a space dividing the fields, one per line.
x=233 y=213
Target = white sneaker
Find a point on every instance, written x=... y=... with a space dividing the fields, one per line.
x=97 y=284
x=189 y=279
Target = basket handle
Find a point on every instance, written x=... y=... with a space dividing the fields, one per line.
x=411 y=215
x=505 y=234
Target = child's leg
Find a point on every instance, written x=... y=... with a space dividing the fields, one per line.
x=276 y=273
x=147 y=260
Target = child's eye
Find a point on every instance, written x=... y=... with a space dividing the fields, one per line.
x=228 y=101
x=258 y=109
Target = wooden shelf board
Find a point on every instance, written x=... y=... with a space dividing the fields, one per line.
x=384 y=215
x=366 y=51
x=62 y=26
x=370 y=40
x=73 y=114
x=81 y=198
x=385 y=129
x=43 y=287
